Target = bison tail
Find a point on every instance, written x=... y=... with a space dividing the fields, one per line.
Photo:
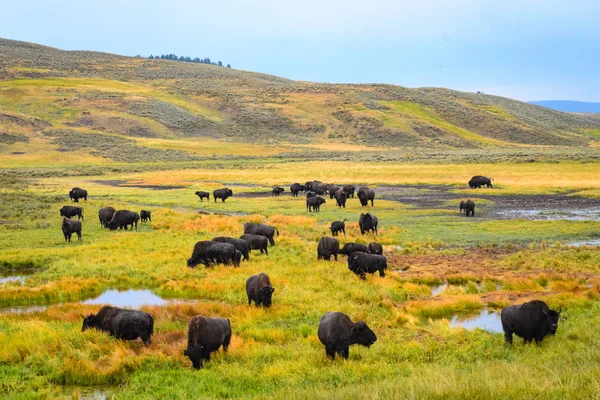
x=277 y=230
x=151 y=325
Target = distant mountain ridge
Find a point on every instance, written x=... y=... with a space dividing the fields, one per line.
x=569 y=106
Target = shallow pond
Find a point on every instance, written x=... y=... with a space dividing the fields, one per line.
x=15 y=275
x=437 y=290
x=486 y=320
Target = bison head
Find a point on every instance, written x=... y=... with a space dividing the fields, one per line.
x=266 y=293
x=62 y=212
x=89 y=322
x=194 y=353
x=361 y=334
x=229 y=192
x=552 y=317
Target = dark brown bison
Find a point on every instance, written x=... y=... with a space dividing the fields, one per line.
x=337 y=227
x=331 y=189
x=468 y=206
x=310 y=194
x=122 y=219
x=206 y=335
x=267 y=231
x=337 y=332
x=340 y=198
x=533 y=320
x=203 y=195
x=256 y=242
x=122 y=324
x=69 y=227
x=367 y=222
x=259 y=290
x=327 y=247
x=146 y=216
x=478 y=181
x=312 y=185
x=105 y=215
x=222 y=194
x=277 y=190
x=350 y=248
x=375 y=248
x=349 y=190
x=210 y=253
x=362 y=263
x=77 y=193
x=314 y=203
x=71 y=211
x=364 y=196
x=240 y=244
x=297 y=188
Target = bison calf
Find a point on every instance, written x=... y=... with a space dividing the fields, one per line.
x=277 y=190
x=350 y=248
x=256 y=242
x=69 y=227
x=203 y=195
x=367 y=222
x=145 y=215
x=468 y=206
x=337 y=227
x=206 y=335
x=337 y=332
x=533 y=320
x=259 y=290
x=122 y=324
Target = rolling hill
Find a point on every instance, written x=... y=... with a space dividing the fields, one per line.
x=158 y=110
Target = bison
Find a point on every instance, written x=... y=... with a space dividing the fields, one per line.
x=375 y=248
x=240 y=244
x=256 y=242
x=203 y=195
x=332 y=188
x=122 y=219
x=337 y=227
x=340 y=198
x=71 y=211
x=310 y=194
x=277 y=190
x=145 y=216
x=122 y=324
x=350 y=248
x=337 y=332
x=468 y=206
x=105 y=215
x=349 y=190
x=314 y=203
x=263 y=230
x=297 y=188
x=478 y=181
x=364 y=196
x=533 y=320
x=312 y=185
x=327 y=247
x=206 y=335
x=361 y=263
x=367 y=222
x=259 y=290
x=77 y=193
x=209 y=252
x=69 y=227
x=222 y=194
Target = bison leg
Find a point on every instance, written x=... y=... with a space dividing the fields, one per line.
x=345 y=353
x=381 y=273
x=508 y=336
x=249 y=301
x=65 y=237
x=271 y=241
x=266 y=251
x=78 y=235
x=335 y=256
x=330 y=352
x=372 y=203
x=146 y=339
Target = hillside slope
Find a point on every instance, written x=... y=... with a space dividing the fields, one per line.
x=95 y=102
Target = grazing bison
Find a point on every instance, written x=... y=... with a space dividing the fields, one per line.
x=468 y=206
x=361 y=263
x=69 y=227
x=256 y=242
x=209 y=252
x=145 y=216
x=199 y=254
x=203 y=195
x=122 y=324
x=312 y=185
x=337 y=227
x=533 y=320
x=259 y=290
x=105 y=215
x=77 y=193
x=331 y=189
x=314 y=203
x=122 y=219
x=320 y=191
x=297 y=188
x=240 y=244
x=350 y=248
x=340 y=198
x=222 y=194
x=375 y=248
x=349 y=190
x=71 y=211
x=327 y=247
x=367 y=222
x=478 y=181
x=206 y=335
x=365 y=196
x=337 y=332
x=277 y=190
x=310 y=194
x=267 y=231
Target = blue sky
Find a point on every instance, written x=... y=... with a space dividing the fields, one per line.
x=523 y=49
